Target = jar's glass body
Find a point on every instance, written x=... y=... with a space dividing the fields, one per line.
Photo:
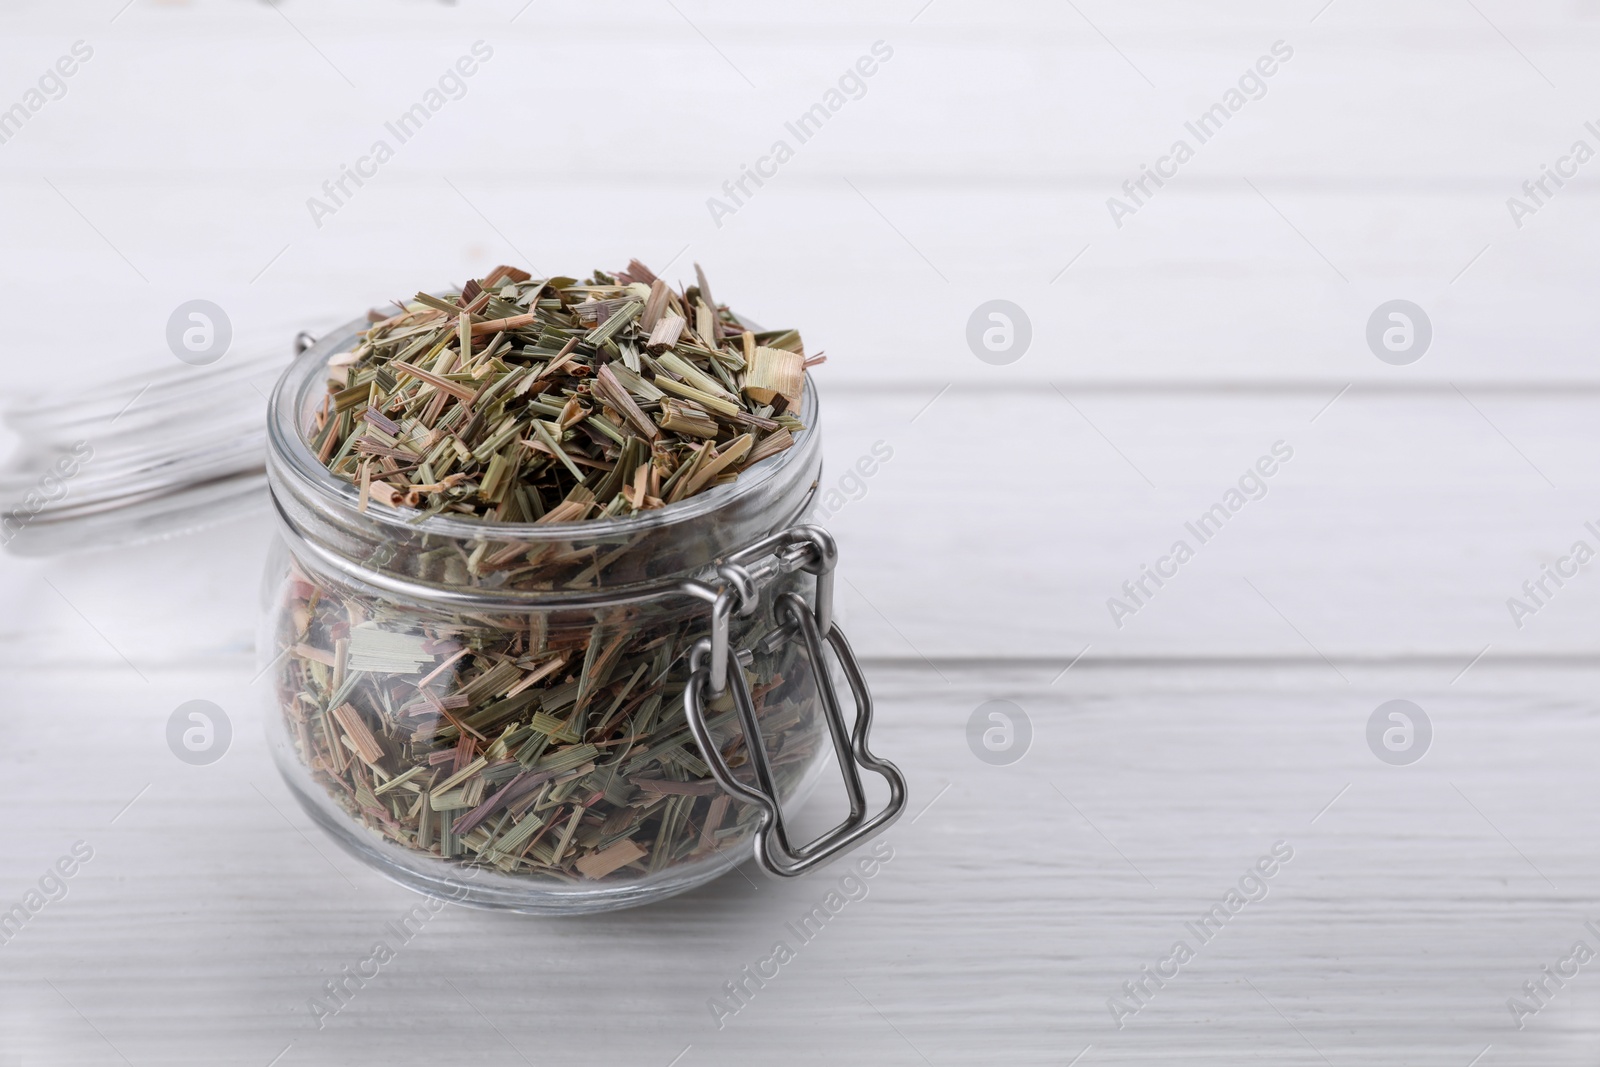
x=494 y=713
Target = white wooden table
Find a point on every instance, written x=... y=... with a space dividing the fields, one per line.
x=1227 y=714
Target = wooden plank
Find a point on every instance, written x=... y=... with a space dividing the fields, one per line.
x=1209 y=285
x=1367 y=93
x=1402 y=525
x=1023 y=894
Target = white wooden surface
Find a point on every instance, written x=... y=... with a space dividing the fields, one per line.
x=1170 y=354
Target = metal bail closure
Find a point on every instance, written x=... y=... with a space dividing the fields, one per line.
x=773 y=847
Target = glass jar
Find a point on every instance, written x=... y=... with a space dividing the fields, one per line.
x=557 y=717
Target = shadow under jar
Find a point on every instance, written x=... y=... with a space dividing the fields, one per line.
x=558 y=718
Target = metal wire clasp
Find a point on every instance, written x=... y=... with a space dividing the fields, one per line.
x=743 y=575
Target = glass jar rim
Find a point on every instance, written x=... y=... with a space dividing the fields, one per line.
x=287 y=443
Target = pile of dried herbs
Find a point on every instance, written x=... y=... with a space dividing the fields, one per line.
x=554 y=400
x=548 y=751
x=546 y=744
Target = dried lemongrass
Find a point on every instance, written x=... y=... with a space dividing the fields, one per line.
x=535 y=745
x=482 y=743
x=504 y=400
x=774 y=372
